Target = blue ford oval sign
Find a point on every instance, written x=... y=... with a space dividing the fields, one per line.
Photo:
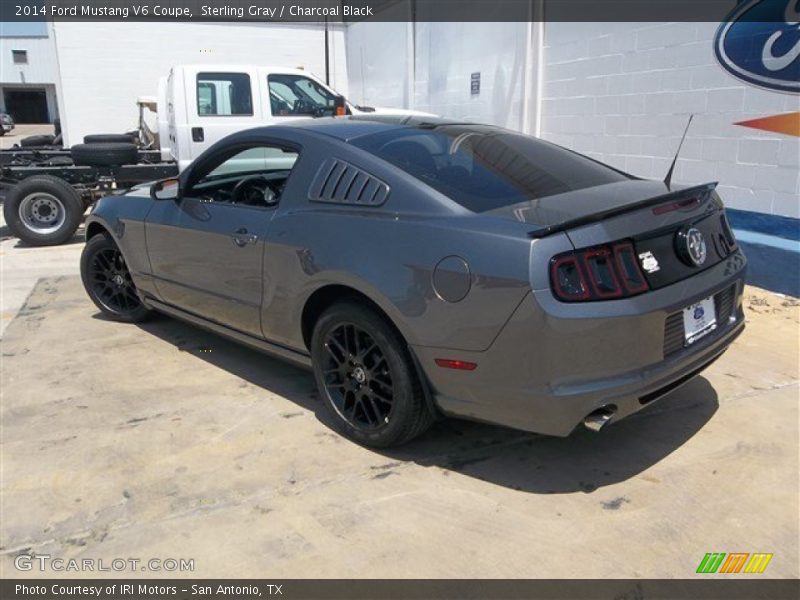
x=759 y=42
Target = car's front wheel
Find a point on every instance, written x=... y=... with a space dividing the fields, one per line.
x=108 y=281
x=366 y=377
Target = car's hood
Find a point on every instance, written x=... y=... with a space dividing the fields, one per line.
x=580 y=204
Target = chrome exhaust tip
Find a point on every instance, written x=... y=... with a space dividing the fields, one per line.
x=596 y=420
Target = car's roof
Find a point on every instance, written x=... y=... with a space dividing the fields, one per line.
x=351 y=127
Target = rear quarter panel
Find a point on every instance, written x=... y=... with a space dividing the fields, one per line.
x=389 y=253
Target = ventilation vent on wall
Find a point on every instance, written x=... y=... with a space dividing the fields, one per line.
x=340 y=182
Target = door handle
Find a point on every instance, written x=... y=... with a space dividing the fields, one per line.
x=198 y=135
x=241 y=237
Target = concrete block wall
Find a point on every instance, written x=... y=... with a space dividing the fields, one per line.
x=622 y=93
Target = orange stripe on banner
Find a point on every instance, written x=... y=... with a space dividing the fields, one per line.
x=788 y=124
x=741 y=563
x=727 y=563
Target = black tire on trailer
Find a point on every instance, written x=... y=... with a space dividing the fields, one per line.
x=104 y=155
x=108 y=138
x=36 y=140
x=43 y=210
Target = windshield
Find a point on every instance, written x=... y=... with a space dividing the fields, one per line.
x=484 y=168
x=292 y=95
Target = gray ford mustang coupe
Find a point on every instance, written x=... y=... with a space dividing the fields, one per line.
x=424 y=267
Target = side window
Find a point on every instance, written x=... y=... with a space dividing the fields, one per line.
x=256 y=160
x=297 y=95
x=224 y=94
x=253 y=176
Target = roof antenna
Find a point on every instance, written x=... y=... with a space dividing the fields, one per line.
x=668 y=178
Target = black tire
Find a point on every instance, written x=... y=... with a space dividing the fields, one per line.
x=108 y=282
x=104 y=155
x=36 y=140
x=108 y=138
x=43 y=210
x=383 y=404
x=57 y=126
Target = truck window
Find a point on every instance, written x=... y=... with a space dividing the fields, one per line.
x=224 y=94
x=295 y=95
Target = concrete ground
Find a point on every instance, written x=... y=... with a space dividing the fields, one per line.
x=163 y=441
x=24 y=130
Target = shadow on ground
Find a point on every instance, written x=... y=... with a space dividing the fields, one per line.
x=77 y=238
x=583 y=462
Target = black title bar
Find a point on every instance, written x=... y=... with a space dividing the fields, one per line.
x=388 y=10
x=709 y=588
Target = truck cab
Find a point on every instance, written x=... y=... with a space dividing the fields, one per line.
x=205 y=103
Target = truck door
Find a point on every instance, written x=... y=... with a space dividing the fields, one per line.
x=219 y=102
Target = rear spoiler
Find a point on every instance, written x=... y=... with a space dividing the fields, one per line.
x=704 y=189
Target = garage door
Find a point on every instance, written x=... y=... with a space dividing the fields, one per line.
x=27 y=106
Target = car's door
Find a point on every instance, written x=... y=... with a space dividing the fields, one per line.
x=206 y=251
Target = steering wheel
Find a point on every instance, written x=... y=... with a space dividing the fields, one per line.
x=248 y=191
x=303 y=106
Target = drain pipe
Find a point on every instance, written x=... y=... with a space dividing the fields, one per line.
x=597 y=419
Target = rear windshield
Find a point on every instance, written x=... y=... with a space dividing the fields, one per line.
x=484 y=168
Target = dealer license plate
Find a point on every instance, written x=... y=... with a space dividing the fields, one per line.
x=699 y=320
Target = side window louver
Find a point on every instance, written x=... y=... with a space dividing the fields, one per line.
x=340 y=182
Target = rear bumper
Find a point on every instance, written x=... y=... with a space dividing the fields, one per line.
x=555 y=363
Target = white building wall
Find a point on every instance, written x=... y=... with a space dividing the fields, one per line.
x=428 y=66
x=105 y=66
x=448 y=53
x=41 y=67
x=378 y=62
x=622 y=93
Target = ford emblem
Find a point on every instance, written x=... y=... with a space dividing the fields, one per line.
x=759 y=42
x=691 y=246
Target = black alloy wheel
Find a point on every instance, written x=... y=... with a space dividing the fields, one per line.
x=357 y=377
x=108 y=281
x=366 y=377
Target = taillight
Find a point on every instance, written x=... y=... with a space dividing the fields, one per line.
x=599 y=273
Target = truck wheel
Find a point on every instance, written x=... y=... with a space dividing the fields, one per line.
x=104 y=155
x=36 y=140
x=108 y=138
x=43 y=210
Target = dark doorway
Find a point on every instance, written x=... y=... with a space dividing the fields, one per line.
x=27 y=106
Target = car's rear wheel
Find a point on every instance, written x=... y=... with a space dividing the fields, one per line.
x=366 y=377
x=108 y=281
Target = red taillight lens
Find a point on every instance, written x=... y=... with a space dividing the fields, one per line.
x=600 y=273
x=461 y=365
x=568 y=279
x=632 y=276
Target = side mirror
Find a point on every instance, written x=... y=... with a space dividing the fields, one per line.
x=166 y=189
x=339 y=106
